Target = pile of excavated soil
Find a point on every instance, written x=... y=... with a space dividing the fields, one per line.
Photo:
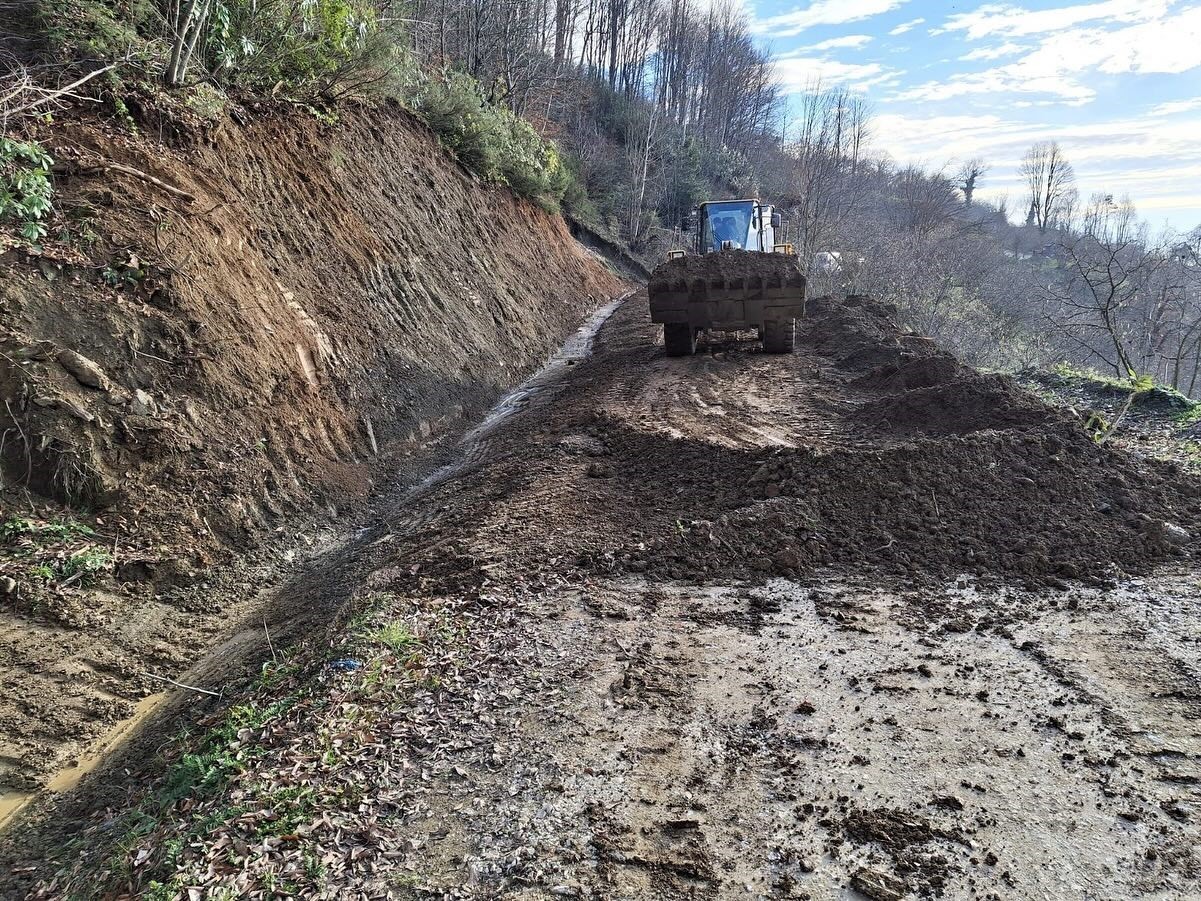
x=913 y=372
x=1037 y=506
x=728 y=265
x=970 y=475
x=968 y=404
x=862 y=335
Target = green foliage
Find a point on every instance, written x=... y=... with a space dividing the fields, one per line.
x=25 y=187
x=490 y=140
x=205 y=100
x=305 y=48
x=729 y=169
x=1189 y=417
x=293 y=807
x=206 y=769
x=570 y=184
x=94 y=31
x=1140 y=383
x=43 y=532
x=46 y=545
x=1134 y=383
x=124 y=275
x=685 y=187
x=84 y=566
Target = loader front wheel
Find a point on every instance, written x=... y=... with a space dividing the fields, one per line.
x=778 y=336
x=679 y=338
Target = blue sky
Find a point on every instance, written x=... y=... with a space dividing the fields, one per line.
x=1116 y=82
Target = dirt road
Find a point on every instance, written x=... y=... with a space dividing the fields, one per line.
x=854 y=623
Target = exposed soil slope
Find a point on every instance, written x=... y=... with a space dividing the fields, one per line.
x=583 y=666
x=198 y=373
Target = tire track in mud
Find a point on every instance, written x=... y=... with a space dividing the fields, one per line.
x=827 y=738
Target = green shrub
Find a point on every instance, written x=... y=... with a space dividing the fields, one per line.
x=92 y=31
x=490 y=140
x=25 y=187
x=308 y=47
x=575 y=199
x=453 y=107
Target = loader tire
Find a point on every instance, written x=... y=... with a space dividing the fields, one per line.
x=778 y=336
x=679 y=339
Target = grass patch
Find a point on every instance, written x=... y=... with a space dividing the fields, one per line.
x=86 y=565
x=1145 y=391
x=54 y=530
x=395 y=636
x=1188 y=417
x=294 y=807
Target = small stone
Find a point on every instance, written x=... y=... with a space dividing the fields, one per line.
x=143 y=404
x=86 y=372
x=8 y=585
x=75 y=409
x=1175 y=534
x=878 y=886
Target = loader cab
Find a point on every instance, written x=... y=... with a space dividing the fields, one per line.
x=736 y=224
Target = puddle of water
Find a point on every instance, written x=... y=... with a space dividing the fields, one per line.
x=576 y=348
x=12 y=802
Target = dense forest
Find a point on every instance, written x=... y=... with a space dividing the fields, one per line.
x=624 y=115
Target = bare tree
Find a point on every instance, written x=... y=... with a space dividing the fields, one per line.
x=1099 y=304
x=967 y=175
x=1050 y=181
x=827 y=156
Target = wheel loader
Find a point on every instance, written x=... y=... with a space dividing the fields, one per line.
x=736 y=279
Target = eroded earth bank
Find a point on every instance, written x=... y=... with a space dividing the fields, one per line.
x=246 y=336
x=854 y=623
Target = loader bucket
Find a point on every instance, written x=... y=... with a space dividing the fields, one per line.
x=730 y=290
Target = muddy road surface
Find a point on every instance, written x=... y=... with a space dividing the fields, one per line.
x=855 y=623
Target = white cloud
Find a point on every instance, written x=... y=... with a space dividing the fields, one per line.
x=907 y=26
x=1014 y=21
x=1172 y=107
x=1166 y=46
x=800 y=73
x=850 y=41
x=1007 y=49
x=823 y=12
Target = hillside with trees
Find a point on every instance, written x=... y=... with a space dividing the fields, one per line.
x=625 y=115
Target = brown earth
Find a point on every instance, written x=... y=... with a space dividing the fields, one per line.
x=728 y=265
x=188 y=378
x=578 y=668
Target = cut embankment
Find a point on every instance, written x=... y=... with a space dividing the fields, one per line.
x=182 y=379
x=332 y=293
